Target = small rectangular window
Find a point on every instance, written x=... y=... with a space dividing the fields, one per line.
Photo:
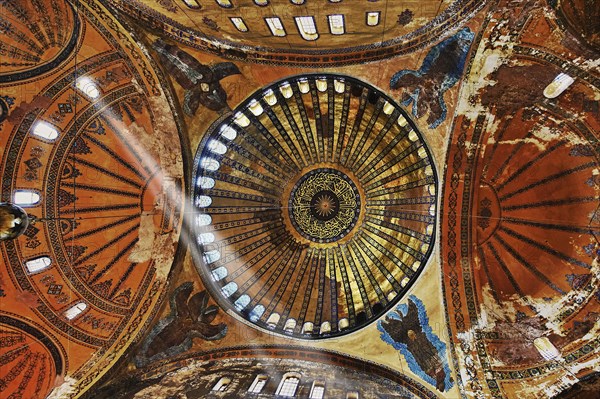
x=276 y=27
x=373 y=18
x=336 y=24
x=239 y=24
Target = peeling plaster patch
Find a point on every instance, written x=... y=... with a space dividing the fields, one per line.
x=142 y=252
x=64 y=390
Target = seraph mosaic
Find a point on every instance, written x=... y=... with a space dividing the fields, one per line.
x=408 y=330
x=190 y=317
x=201 y=82
x=441 y=69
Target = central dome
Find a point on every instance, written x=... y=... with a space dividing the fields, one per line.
x=315 y=206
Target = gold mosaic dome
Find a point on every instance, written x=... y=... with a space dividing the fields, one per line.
x=315 y=206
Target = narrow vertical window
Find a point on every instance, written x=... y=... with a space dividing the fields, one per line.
x=75 y=310
x=373 y=18
x=336 y=24
x=288 y=386
x=276 y=27
x=258 y=384
x=38 y=264
x=225 y=3
x=307 y=28
x=239 y=24
x=45 y=130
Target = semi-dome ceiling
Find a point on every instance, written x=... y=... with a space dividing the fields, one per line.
x=303 y=32
x=316 y=203
x=81 y=152
x=35 y=38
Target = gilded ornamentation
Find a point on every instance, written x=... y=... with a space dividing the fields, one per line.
x=325 y=205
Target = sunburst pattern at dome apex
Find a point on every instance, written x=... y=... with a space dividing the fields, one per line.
x=316 y=206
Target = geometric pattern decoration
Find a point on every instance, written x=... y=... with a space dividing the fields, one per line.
x=107 y=187
x=315 y=203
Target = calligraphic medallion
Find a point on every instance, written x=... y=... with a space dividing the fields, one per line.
x=324 y=205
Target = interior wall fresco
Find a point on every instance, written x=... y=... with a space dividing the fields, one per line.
x=473 y=291
x=525 y=165
x=365 y=343
x=82 y=108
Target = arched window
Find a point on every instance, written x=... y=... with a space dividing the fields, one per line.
x=352 y=395
x=45 y=130
x=273 y=320
x=373 y=18
x=325 y=327
x=193 y=4
x=317 y=391
x=206 y=182
x=229 y=289
x=217 y=147
x=206 y=238
x=258 y=383
x=203 y=220
x=255 y=107
x=219 y=273
x=239 y=24
x=203 y=201
x=290 y=324
x=286 y=90
x=222 y=384
x=257 y=313
x=308 y=328
x=38 y=264
x=225 y=3
x=228 y=132
x=275 y=26
x=242 y=302
x=289 y=385
x=261 y=3
x=307 y=28
x=209 y=164
x=75 y=310
x=26 y=198
x=336 y=24
x=88 y=87
x=212 y=256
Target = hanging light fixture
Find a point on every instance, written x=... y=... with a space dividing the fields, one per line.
x=13 y=221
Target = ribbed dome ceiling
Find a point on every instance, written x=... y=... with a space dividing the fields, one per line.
x=316 y=206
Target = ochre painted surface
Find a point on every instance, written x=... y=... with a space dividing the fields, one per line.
x=516 y=253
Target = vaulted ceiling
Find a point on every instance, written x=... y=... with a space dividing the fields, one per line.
x=243 y=197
